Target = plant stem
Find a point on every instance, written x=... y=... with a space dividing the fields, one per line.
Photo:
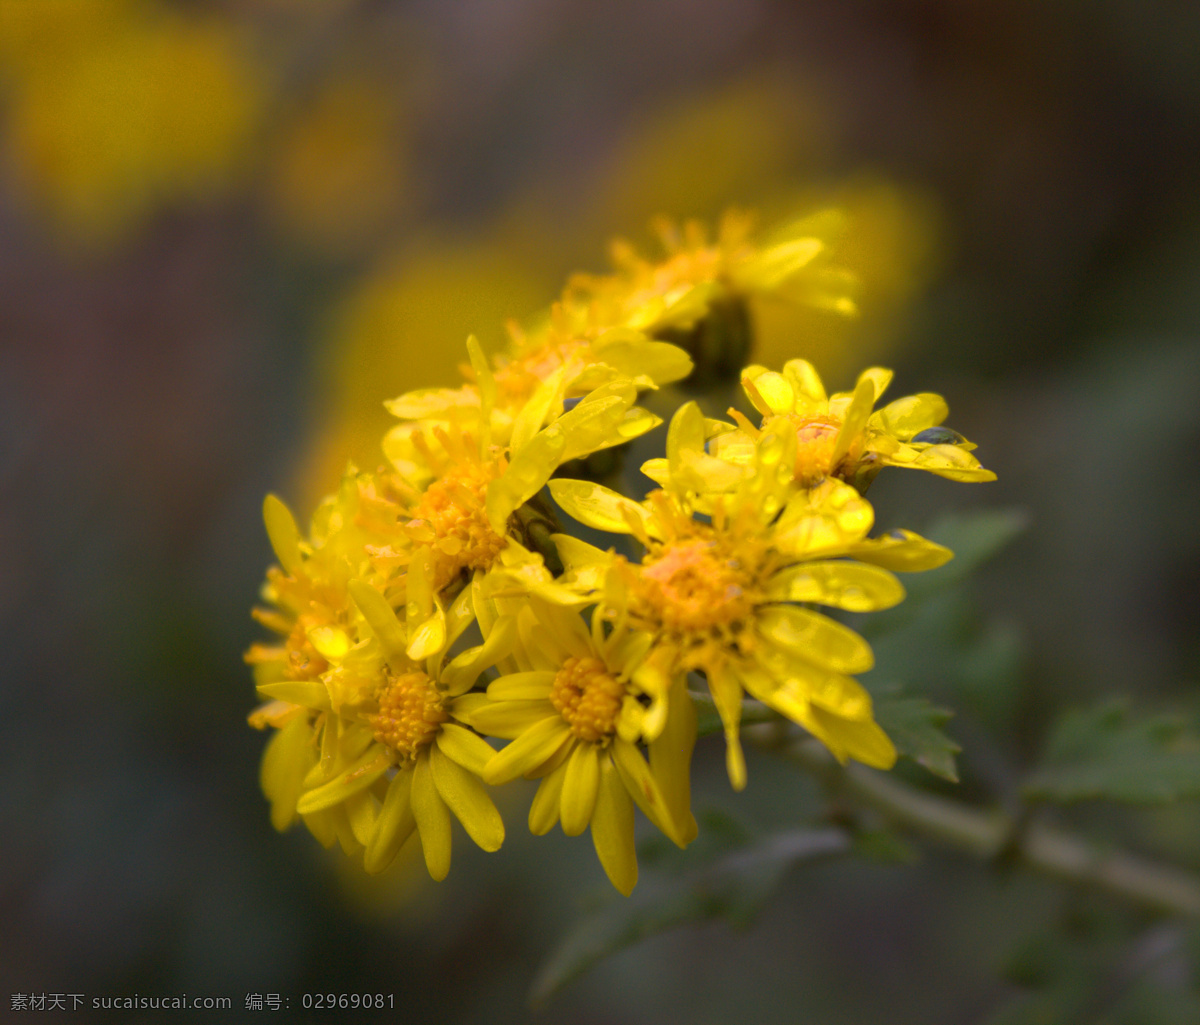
x=993 y=834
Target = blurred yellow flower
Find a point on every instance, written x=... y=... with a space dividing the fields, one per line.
x=118 y=108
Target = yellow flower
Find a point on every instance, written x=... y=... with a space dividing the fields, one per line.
x=394 y=758
x=577 y=718
x=843 y=436
x=368 y=748
x=570 y=353
x=723 y=596
x=697 y=275
x=465 y=493
x=544 y=372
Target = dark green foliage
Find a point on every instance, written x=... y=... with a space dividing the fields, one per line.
x=1107 y=751
x=730 y=884
x=915 y=727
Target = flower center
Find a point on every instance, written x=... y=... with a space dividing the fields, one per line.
x=452 y=517
x=692 y=586
x=588 y=698
x=410 y=714
x=816 y=438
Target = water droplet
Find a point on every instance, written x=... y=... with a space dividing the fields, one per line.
x=939 y=436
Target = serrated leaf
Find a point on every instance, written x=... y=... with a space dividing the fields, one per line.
x=733 y=888
x=915 y=727
x=1108 y=752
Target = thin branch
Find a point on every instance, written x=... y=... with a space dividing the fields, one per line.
x=991 y=834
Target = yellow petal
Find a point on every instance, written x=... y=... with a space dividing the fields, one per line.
x=460 y=615
x=419 y=590
x=854 y=420
x=433 y=819
x=912 y=414
x=612 y=830
x=658 y=470
x=534 y=686
x=362 y=810
x=286 y=761
x=331 y=642
x=776 y=392
x=472 y=752
x=880 y=377
x=283 y=532
x=901 y=551
x=525 y=476
x=952 y=462
x=596 y=506
x=829 y=516
x=853 y=586
x=576 y=554
x=309 y=693
x=358 y=776
x=816 y=638
x=671 y=757
x=380 y=616
x=630 y=353
x=862 y=740
x=509 y=719
x=275 y=713
x=464 y=670
x=642 y=786
x=428 y=636
x=686 y=432
x=343 y=830
x=435 y=404
x=533 y=747
x=394 y=825
x=579 y=788
x=543 y=813
x=806 y=385
x=546 y=397
x=321 y=825
x=466 y=796
x=487 y=391
x=726 y=693
x=602 y=422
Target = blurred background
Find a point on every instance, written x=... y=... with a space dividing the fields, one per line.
x=231 y=229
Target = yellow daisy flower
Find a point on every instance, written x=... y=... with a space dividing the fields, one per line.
x=843 y=435
x=577 y=718
x=697 y=274
x=387 y=757
x=570 y=354
x=542 y=372
x=723 y=596
x=465 y=494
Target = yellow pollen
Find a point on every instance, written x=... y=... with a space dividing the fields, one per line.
x=410 y=714
x=816 y=438
x=588 y=698
x=455 y=510
x=692 y=586
x=304 y=662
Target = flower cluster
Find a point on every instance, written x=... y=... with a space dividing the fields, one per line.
x=437 y=605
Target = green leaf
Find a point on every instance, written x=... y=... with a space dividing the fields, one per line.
x=733 y=888
x=1109 y=752
x=915 y=728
